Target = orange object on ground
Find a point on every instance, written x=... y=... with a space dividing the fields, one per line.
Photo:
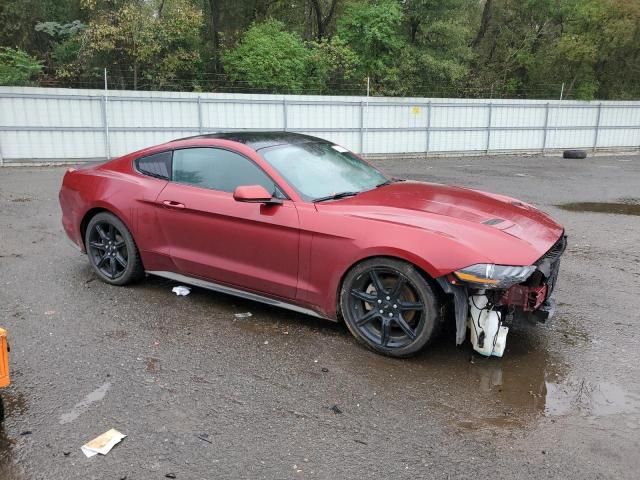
x=4 y=359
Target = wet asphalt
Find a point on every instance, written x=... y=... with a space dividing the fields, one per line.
x=202 y=394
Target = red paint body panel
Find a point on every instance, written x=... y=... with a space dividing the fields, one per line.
x=299 y=251
x=219 y=238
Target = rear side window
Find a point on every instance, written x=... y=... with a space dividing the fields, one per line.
x=157 y=165
x=218 y=169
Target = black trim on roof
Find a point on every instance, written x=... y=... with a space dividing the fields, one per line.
x=257 y=139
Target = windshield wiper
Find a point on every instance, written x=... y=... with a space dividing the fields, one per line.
x=389 y=182
x=335 y=196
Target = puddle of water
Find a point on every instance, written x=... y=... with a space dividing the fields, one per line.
x=476 y=393
x=617 y=208
x=586 y=398
x=473 y=391
x=14 y=405
x=82 y=406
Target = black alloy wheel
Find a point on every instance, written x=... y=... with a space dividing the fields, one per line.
x=389 y=306
x=108 y=250
x=111 y=250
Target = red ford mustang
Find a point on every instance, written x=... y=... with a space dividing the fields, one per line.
x=298 y=222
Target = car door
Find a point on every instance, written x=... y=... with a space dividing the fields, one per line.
x=211 y=235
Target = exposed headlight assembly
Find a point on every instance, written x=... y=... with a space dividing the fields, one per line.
x=487 y=275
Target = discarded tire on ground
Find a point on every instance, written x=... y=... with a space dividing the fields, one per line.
x=574 y=154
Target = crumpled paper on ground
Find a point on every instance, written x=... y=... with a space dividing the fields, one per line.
x=102 y=444
x=181 y=291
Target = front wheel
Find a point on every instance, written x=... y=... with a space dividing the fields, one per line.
x=389 y=306
x=112 y=251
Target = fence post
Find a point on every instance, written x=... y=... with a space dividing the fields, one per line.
x=428 y=127
x=597 y=132
x=546 y=128
x=362 y=127
x=490 y=105
x=105 y=118
x=200 y=125
x=284 y=113
x=105 y=125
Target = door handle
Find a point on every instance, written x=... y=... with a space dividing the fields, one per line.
x=172 y=204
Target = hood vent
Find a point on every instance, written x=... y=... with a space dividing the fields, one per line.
x=493 y=221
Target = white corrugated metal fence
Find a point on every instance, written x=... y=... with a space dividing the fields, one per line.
x=42 y=124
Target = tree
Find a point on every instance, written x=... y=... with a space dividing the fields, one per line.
x=332 y=67
x=17 y=67
x=323 y=12
x=19 y=17
x=439 y=55
x=512 y=46
x=519 y=48
x=599 y=42
x=152 y=42
x=269 y=58
x=373 y=31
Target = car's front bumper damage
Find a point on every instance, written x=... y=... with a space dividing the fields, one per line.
x=488 y=312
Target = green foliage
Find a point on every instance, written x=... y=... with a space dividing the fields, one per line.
x=480 y=48
x=373 y=31
x=269 y=58
x=140 y=44
x=438 y=60
x=17 y=67
x=331 y=66
x=56 y=29
x=19 y=17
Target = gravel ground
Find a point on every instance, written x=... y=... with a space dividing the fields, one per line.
x=204 y=395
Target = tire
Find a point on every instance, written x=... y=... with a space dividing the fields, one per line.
x=386 y=322
x=574 y=154
x=112 y=252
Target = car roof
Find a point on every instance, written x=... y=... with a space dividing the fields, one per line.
x=259 y=139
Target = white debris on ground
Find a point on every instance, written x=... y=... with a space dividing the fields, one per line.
x=243 y=315
x=181 y=291
x=102 y=444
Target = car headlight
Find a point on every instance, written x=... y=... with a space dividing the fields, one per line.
x=487 y=275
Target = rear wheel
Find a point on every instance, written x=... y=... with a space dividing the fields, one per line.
x=389 y=306
x=112 y=251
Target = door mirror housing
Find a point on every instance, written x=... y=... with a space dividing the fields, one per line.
x=254 y=194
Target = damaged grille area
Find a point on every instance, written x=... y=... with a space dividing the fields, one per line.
x=532 y=294
x=556 y=251
x=549 y=263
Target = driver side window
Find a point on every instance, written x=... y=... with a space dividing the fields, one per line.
x=218 y=169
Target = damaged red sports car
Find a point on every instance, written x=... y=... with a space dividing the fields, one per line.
x=301 y=223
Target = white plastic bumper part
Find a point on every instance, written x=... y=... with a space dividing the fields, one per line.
x=488 y=335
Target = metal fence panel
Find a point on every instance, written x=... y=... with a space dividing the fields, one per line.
x=61 y=124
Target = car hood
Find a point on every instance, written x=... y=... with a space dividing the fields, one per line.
x=499 y=228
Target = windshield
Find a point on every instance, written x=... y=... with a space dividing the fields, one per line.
x=318 y=170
